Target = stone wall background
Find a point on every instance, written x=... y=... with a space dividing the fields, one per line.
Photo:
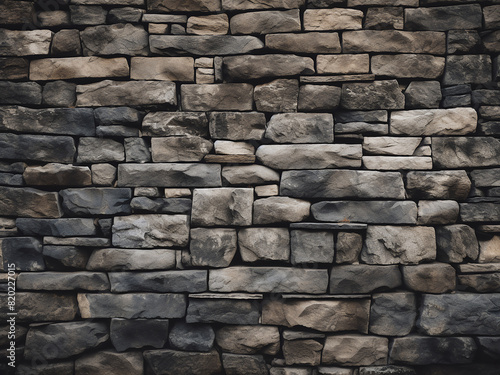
x=251 y=186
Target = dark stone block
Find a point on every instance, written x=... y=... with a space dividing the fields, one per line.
x=63 y=258
x=138 y=333
x=24 y=93
x=24 y=252
x=170 y=362
x=191 y=281
x=462 y=69
x=444 y=18
x=57 y=227
x=13 y=68
x=96 y=201
x=192 y=337
x=362 y=278
x=223 y=311
x=161 y=205
x=37 y=148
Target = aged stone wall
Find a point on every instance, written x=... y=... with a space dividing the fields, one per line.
x=250 y=187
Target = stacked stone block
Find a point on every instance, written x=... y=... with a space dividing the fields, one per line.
x=282 y=187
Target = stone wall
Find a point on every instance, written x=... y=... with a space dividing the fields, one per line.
x=252 y=187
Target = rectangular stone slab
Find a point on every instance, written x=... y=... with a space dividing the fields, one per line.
x=28 y=202
x=59 y=149
x=78 y=67
x=41 y=307
x=191 y=281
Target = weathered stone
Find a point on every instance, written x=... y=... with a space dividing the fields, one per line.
x=42 y=307
x=410 y=3
x=397 y=162
x=138 y=333
x=444 y=18
x=66 y=43
x=342 y=184
x=268 y=280
x=491 y=17
x=332 y=19
x=103 y=174
x=57 y=227
x=217 y=97
x=175 y=149
x=118 y=39
x=24 y=252
x=393 y=314
x=91 y=281
x=343 y=64
x=87 y=15
x=423 y=94
x=490 y=41
x=489 y=250
x=175 y=124
x=248 y=67
x=77 y=241
x=394 y=41
x=300 y=128
x=266 y=190
x=248 y=339
x=489 y=112
x=169 y=175
x=462 y=69
x=486 y=177
x=78 y=67
x=437 y=212
x=418 y=350
x=249 y=175
x=289 y=370
x=17 y=12
x=355 y=350
x=227 y=311
x=386 y=370
x=224 y=206
x=302 y=352
x=162 y=68
x=13 y=68
x=319 y=97
x=46 y=368
x=64 y=258
x=301 y=156
x=114 y=93
x=233 y=148
x=136 y=150
x=391 y=145
x=58 y=175
x=312 y=42
x=361 y=128
x=311 y=247
x=280 y=95
x=130 y=260
x=362 y=278
x=279 y=209
x=192 y=281
x=148 y=231
x=459 y=152
x=321 y=315
x=372 y=212
x=161 y=205
x=215 y=24
x=196 y=337
x=132 y=305
x=167 y=6
x=236 y=364
x=430 y=278
x=61 y=94
x=22 y=93
x=485 y=97
x=384 y=18
x=372 y=95
x=237 y=126
x=104 y=362
x=70 y=121
x=28 y=202
x=456 y=243
x=348 y=247
x=266 y=22
x=64 y=339
x=256 y=244
x=96 y=201
x=203 y=45
x=361 y=116
x=126 y=14
x=214 y=247
x=463 y=41
x=456 y=101
x=23 y=43
x=408 y=66
x=438 y=185
x=261 y=4
x=460 y=314
x=170 y=362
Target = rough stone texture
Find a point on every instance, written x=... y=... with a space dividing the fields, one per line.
x=192 y=281
x=489 y=250
x=249 y=174
x=347 y=350
x=237 y=126
x=165 y=124
x=104 y=362
x=40 y=148
x=456 y=243
x=20 y=93
x=266 y=22
x=393 y=314
x=57 y=174
x=438 y=185
x=96 y=201
x=373 y=95
x=129 y=260
x=312 y=42
x=430 y=278
x=280 y=95
x=119 y=39
x=332 y=19
x=196 y=337
x=248 y=339
x=319 y=97
x=91 y=281
x=444 y=18
x=362 y=278
x=166 y=6
x=24 y=252
x=22 y=43
x=467 y=69
x=343 y=64
x=175 y=149
x=213 y=247
x=348 y=247
x=311 y=247
x=423 y=94
x=163 y=68
x=279 y=209
x=218 y=97
x=228 y=311
x=215 y=24
x=300 y=128
x=235 y=364
x=408 y=66
x=170 y=362
x=459 y=152
x=28 y=202
x=138 y=333
x=302 y=352
x=257 y=244
x=437 y=212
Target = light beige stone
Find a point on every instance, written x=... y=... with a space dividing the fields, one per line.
x=176 y=193
x=25 y=43
x=248 y=339
x=333 y=19
x=408 y=66
x=394 y=163
x=214 y=24
x=103 y=174
x=234 y=148
x=158 y=28
x=355 y=350
x=279 y=210
x=267 y=190
x=304 y=42
x=266 y=22
x=162 y=68
x=343 y=64
x=489 y=251
x=391 y=145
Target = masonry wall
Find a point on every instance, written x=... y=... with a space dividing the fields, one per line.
x=252 y=187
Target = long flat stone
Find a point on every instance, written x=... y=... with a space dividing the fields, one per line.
x=364 y=278
x=329 y=226
x=78 y=67
x=300 y=128
x=312 y=42
x=167 y=6
x=465 y=152
x=41 y=307
x=468 y=16
x=25 y=43
x=165 y=124
x=66 y=227
x=50 y=281
x=217 y=97
x=29 y=202
x=408 y=66
x=261 y=4
x=45 y=148
x=191 y=281
x=224 y=309
x=131 y=260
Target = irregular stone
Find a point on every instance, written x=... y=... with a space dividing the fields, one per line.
x=57 y=227
x=66 y=121
x=103 y=174
x=462 y=69
x=410 y=3
x=28 y=202
x=132 y=305
x=397 y=162
x=486 y=177
x=332 y=19
x=489 y=112
x=78 y=67
x=458 y=152
x=393 y=314
x=408 y=66
x=42 y=307
x=311 y=42
x=268 y=280
x=444 y=18
x=279 y=209
x=437 y=212
x=438 y=184
x=355 y=350
x=289 y=370
x=302 y=156
x=348 y=247
x=266 y=190
x=203 y=45
x=302 y=352
x=490 y=41
x=242 y=339
x=280 y=95
x=161 y=205
x=24 y=252
x=247 y=67
x=488 y=347
x=16 y=12
x=361 y=128
x=217 y=97
x=342 y=184
x=456 y=243
x=215 y=24
x=237 y=126
x=491 y=17
x=386 y=370
x=138 y=333
x=169 y=175
x=261 y=4
x=227 y=311
x=195 y=337
x=104 y=362
x=77 y=241
x=372 y=212
x=236 y=364
x=149 y=231
x=126 y=14
x=118 y=39
x=391 y=145
x=463 y=41
x=66 y=43
x=214 y=247
x=162 y=68
x=60 y=94
x=485 y=97
x=65 y=339
x=423 y=94
x=266 y=22
x=96 y=201
x=456 y=101
x=320 y=315
x=300 y=128
x=175 y=149
x=114 y=93
x=58 y=175
x=489 y=250
x=167 y=6
x=64 y=258
x=361 y=116
x=384 y=18
x=136 y=150
x=91 y=281
x=223 y=206
x=372 y=95
x=233 y=148
x=23 y=43
x=362 y=278
x=256 y=244
x=21 y=93
x=130 y=260
x=170 y=362
x=311 y=247
x=319 y=97
x=13 y=68
x=192 y=281
x=87 y=15
x=343 y=64
x=430 y=278
x=249 y=175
